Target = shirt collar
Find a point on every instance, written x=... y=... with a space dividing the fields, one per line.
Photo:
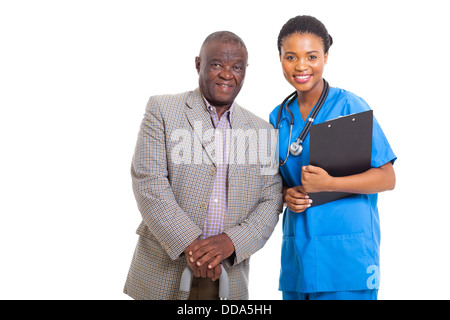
x=210 y=108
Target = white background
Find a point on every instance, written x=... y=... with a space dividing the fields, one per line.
x=75 y=77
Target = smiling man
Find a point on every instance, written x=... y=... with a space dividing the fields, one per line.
x=207 y=214
x=221 y=67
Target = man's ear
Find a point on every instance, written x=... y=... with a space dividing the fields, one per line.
x=197 y=64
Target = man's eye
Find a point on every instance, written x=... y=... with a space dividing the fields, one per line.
x=215 y=65
x=238 y=68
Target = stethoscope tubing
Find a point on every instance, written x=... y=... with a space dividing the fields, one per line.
x=295 y=148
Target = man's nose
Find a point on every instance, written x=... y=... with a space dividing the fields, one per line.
x=226 y=73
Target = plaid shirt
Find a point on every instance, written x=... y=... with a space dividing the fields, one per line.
x=217 y=208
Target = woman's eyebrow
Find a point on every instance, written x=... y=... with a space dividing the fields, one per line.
x=309 y=52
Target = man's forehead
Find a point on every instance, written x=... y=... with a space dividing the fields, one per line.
x=218 y=49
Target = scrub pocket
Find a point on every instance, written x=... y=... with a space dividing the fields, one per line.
x=342 y=262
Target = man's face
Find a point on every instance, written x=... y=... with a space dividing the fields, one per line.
x=221 y=68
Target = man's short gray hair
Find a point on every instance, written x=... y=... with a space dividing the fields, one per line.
x=224 y=37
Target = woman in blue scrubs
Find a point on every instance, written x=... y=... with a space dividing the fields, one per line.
x=329 y=251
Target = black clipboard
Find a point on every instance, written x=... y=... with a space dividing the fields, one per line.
x=342 y=147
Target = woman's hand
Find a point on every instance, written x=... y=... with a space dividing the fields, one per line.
x=296 y=199
x=315 y=179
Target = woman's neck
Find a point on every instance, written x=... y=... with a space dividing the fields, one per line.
x=307 y=99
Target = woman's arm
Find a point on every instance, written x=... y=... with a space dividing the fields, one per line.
x=374 y=180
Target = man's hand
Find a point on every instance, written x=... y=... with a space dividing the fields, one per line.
x=207 y=254
x=201 y=271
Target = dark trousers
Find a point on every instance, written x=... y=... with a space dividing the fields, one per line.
x=204 y=289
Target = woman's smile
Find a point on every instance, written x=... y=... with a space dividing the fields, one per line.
x=302 y=78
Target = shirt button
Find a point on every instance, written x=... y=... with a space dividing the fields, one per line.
x=203 y=205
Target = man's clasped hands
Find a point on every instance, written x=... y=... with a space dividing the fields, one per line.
x=205 y=255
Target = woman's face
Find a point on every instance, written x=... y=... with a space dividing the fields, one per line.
x=303 y=60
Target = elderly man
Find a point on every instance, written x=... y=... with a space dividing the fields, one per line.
x=200 y=183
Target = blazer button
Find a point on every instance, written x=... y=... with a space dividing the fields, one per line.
x=203 y=205
x=212 y=171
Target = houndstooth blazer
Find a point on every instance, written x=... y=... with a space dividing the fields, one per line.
x=173 y=171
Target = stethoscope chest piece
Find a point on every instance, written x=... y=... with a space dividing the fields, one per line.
x=295 y=148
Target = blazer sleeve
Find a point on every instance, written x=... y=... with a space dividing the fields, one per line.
x=254 y=230
x=170 y=225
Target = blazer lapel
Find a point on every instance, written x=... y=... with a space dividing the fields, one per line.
x=201 y=123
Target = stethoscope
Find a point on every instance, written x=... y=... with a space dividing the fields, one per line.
x=296 y=148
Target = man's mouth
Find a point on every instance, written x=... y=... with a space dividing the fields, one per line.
x=225 y=87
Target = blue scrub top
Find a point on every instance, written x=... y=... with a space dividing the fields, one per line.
x=334 y=246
